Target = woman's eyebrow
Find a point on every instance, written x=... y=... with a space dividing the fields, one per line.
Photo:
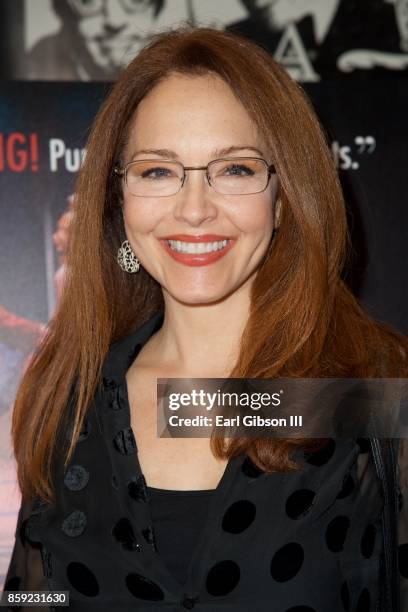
x=169 y=154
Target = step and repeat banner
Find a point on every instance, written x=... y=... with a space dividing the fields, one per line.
x=58 y=59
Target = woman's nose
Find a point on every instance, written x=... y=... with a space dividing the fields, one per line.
x=195 y=202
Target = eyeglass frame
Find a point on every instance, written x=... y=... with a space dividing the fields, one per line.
x=122 y=172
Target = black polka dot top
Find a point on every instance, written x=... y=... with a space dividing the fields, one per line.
x=304 y=541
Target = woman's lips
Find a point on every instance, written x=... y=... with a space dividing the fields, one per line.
x=197 y=259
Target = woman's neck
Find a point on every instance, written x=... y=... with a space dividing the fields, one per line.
x=198 y=340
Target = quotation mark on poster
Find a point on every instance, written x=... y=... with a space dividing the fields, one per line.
x=365 y=144
x=346 y=156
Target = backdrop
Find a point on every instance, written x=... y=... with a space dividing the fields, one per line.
x=58 y=58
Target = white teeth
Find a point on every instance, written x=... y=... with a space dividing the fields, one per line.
x=196 y=247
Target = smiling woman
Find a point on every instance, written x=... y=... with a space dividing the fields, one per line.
x=208 y=241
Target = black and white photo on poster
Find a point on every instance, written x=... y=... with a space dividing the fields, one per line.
x=93 y=40
x=313 y=39
x=317 y=39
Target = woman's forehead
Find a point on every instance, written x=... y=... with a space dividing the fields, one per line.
x=184 y=109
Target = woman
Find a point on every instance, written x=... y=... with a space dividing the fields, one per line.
x=204 y=139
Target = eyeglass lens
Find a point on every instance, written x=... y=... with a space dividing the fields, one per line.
x=229 y=176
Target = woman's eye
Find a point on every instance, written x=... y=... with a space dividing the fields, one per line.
x=156 y=173
x=239 y=170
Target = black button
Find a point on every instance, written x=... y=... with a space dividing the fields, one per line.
x=125 y=442
x=109 y=383
x=189 y=602
x=115 y=404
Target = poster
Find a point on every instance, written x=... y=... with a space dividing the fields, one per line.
x=58 y=60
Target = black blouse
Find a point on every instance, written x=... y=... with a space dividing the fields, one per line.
x=304 y=541
x=177 y=518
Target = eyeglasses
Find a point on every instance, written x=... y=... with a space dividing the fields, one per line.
x=90 y=8
x=229 y=176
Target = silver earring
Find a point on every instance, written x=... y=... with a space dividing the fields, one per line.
x=127 y=259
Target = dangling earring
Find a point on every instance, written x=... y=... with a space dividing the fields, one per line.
x=127 y=259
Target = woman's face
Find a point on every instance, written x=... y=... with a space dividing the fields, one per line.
x=191 y=119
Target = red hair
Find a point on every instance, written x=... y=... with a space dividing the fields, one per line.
x=304 y=321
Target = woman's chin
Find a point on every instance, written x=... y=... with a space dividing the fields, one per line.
x=198 y=298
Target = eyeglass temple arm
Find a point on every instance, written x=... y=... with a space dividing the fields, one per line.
x=119 y=171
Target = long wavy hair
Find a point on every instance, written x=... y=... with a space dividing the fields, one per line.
x=303 y=321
